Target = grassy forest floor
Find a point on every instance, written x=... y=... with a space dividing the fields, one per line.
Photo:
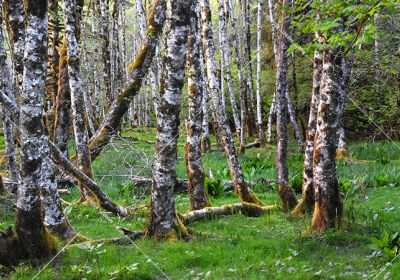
x=273 y=246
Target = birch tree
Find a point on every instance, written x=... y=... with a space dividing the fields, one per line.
x=163 y=220
x=328 y=208
x=32 y=235
x=286 y=193
x=6 y=85
x=308 y=200
x=76 y=89
x=137 y=72
x=260 y=128
x=240 y=184
x=194 y=165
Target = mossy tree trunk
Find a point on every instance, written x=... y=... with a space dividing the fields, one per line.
x=137 y=72
x=71 y=15
x=163 y=222
x=194 y=165
x=32 y=235
x=307 y=203
x=286 y=193
x=328 y=207
x=241 y=186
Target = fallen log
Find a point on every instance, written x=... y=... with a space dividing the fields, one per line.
x=71 y=169
x=255 y=144
x=248 y=209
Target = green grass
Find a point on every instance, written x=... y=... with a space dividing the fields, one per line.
x=273 y=246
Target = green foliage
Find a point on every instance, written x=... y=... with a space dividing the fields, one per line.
x=388 y=244
x=214 y=186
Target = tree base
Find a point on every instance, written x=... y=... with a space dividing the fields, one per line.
x=288 y=197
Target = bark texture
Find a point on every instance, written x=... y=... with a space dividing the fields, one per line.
x=163 y=222
x=137 y=72
x=194 y=165
x=33 y=239
x=247 y=209
x=241 y=187
x=286 y=193
x=8 y=120
x=76 y=89
x=308 y=192
x=14 y=12
x=328 y=209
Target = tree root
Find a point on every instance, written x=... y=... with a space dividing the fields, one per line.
x=247 y=209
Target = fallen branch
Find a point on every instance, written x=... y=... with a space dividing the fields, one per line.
x=248 y=209
x=71 y=169
x=255 y=144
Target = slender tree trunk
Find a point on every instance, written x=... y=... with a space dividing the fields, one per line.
x=106 y=57
x=241 y=186
x=308 y=192
x=194 y=165
x=328 y=208
x=347 y=62
x=286 y=193
x=76 y=89
x=292 y=116
x=7 y=88
x=63 y=104
x=137 y=72
x=260 y=128
x=163 y=222
x=225 y=63
x=205 y=136
x=250 y=108
x=32 y=236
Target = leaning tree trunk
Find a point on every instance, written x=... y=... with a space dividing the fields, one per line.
x=241 y=187
x=32 y=235
x=137 y=72
x=260 y=128
x=307 y=204
x=7 y=88
x=328 y=208
x=163 y=222
x=286 y=193
x=194 y=165
x=76 y=89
